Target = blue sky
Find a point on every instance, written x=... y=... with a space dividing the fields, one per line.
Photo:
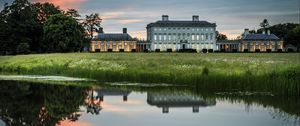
x=231 y=16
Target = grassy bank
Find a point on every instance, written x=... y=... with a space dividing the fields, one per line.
x=276 y=73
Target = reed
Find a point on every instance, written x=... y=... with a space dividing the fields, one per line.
x=278 y=73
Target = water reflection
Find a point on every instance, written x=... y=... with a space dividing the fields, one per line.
x=166 y=100
x=32 y=104
x=96 y=97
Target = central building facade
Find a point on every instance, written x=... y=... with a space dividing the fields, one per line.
x=176 y=35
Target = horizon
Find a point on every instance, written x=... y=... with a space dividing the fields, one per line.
x=230 y=17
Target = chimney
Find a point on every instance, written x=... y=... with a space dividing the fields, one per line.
x=165 y=18
x=124 y=30
x=100 y=30
x=195 y=18
x=246 y=32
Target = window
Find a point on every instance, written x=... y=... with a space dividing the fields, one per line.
x=206 y=36
x=165 y=37
x=159 y=37
x=202 y=37
x=197 y=37
x=211 y=36
x=155 y=37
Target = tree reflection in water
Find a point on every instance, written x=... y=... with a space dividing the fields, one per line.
x=35 y=104
x=23 y=103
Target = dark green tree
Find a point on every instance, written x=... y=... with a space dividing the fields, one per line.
x=92 y=23
x=63 y=34
x=19 y=25
x=72 y=13
x=293 y=37
x=23 y=48
x=43 y=11
x=22 y=22
x=221 y=37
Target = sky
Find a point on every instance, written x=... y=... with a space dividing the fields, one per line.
x=231 y=16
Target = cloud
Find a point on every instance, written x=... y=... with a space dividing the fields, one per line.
x=141 y=34
x=64 y=4
x=70 y=123
x=128 y=21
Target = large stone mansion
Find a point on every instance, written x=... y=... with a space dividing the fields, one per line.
x=175 y=35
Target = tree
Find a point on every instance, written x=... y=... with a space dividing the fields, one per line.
x=17 y=26
x=293 y=37
x=45 y=10
x=72 y=13
x=63 y=34
x=92 y=23
x=23 y=48
x=221 y=37
x=282 y=31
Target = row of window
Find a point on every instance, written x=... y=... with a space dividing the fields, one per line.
x=179 y=43
x=108 y=44
x=187 y=46
x=202 y=37
x=183 y=29
x=261 y=44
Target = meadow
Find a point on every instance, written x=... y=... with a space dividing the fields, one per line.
x=278 y=73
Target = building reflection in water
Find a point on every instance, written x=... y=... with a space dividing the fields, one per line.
x=166 y=100
x=96 y=97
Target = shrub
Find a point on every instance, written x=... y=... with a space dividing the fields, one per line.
x=97 y=50
x=23 y=48
x=109 y=50
x=290 y=50
x=188 y=50
x=204 y=50
x=169 y=50
x=157 y=50
x=146 y=50
x=246 y=50
x=121 y=50
x=234 y=50
x=205 y=71
x=257 y=50
x=210 y=50
x=133 y=50
x=269 y=50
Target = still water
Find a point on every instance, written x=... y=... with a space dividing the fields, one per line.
x=34 y=104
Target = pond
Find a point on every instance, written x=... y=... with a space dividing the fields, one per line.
x=31 y=104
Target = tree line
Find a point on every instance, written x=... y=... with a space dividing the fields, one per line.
x=43 y=28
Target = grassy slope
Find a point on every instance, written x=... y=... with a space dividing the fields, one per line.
x=278 y=73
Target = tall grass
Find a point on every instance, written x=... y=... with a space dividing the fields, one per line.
x=276 y=73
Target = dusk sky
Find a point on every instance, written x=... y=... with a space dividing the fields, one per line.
x=231 y=16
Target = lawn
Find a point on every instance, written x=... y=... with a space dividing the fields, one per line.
x=278 y=73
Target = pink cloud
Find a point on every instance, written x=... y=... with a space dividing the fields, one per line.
x=70 y=123
x=63 y=4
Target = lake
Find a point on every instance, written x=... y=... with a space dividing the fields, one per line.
x=31 y=104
